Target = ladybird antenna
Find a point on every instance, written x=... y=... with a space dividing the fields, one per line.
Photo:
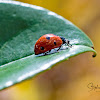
x=68 y=43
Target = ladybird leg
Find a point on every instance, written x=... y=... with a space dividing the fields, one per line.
x=59 y=48
x=45 y=53
x=49 y=50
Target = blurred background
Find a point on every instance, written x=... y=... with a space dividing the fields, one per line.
x=69 y=80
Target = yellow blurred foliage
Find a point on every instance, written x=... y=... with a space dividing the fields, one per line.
x=26 y=90
x=68 y=80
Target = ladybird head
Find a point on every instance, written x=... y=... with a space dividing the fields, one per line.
x=63 y=39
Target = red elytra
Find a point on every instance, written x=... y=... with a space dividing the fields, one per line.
x=47 y=43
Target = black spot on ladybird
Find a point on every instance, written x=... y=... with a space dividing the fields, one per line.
x=54 y=43
x=48 y=38
x=42 y=48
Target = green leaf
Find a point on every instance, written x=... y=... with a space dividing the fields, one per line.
x=20 y=27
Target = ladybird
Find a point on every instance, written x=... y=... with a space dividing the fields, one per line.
x=48 y=42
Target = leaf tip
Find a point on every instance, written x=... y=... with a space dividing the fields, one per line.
x=94 y=54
